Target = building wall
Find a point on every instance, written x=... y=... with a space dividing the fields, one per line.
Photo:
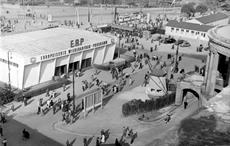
x=16 y=71
x=220 y=22
x=44 y=71
x=109 y=53
x=31 y=75
x=47 y=70
x=99 y=55
x=186 y=33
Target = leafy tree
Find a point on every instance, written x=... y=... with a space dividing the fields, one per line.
x=201 y=8
x=188 y=9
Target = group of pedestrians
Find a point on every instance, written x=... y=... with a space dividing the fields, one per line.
x=127 y=134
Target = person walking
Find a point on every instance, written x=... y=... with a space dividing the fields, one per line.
x=130 y=81
x=85 y=141
x=185 y=104
x=98 y=142
x=67 y=143
x=168 y=118
x=25 y=101
x=39 y=109
x=133 y=137
x=1 y=130
x=64 y=87
x=4 y=142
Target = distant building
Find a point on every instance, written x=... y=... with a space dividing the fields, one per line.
x=187 y=30
x=212 y=19
x=218 y=63
x=30 y=58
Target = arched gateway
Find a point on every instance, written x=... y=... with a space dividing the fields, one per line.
x=192 y=84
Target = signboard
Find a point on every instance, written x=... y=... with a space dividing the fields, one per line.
x=76 y=42
x=73 y=50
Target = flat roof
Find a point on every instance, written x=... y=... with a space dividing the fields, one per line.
x=189 y=26
x=41 y=42
x=212 y=18
x=220 y=34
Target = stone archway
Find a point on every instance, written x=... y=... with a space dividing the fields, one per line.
x=183 y=88
x=185 y=91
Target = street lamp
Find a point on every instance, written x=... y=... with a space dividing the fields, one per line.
x=119 y=37
x=8 y=62
x=176 y=62
x=74 y=104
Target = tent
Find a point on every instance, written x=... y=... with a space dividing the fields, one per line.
x=157 y=83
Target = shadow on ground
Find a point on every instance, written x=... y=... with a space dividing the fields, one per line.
x=202 y=131
x=12 y=130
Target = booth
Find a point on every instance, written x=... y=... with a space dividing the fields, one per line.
x=36 y=57
x=157 y=83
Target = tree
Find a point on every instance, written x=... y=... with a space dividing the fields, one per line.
x=201 y=8
x=188 y=9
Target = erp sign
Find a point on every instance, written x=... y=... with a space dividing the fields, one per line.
x=76 y=42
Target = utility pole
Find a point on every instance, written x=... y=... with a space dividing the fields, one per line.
x=176 y=62
x=8 y=62
x=74 y=100
x=119 y=37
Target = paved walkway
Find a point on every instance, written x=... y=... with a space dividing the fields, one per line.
x=45 y=130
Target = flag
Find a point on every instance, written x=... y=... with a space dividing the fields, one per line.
x=77 y=16
x=88 y=15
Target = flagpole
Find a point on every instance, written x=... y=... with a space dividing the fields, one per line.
x=78 y=17
x=76 y=22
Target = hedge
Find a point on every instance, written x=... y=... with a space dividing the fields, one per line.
x=138 y=106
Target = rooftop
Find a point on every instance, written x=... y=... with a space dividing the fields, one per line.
x=212 y=18
x=221 y=35
x=47 y=41
x=190 y=26
x=158 y=72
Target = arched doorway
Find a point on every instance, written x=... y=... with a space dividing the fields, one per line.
x=190 y=96
x=186 y=91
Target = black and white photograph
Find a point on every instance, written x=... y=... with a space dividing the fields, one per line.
x=115 y=73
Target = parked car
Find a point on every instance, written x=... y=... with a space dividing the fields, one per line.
x=168 y=40
x=179 y=42
x=185 y=44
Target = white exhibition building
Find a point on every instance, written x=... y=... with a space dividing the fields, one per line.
x=30 y=58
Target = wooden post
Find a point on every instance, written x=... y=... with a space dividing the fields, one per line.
x=93 y=102
x=84 y=106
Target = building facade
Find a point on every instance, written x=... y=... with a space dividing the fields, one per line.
x=187 y=30
x=212 y=19
x=31 y=58
x=218 y=64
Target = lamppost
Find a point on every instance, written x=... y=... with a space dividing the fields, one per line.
x=176 y=62
x=119 y=44
x=8 y=62
x=74 y=100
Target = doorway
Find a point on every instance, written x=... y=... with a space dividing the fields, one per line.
x=74 y=65
x=60 y=70
x=86 y=63
x=224 y=69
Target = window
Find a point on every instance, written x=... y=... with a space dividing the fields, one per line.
x=197 y=33
x=177 y=29
x=192 y=32
x=187 y=30
x=182 y=30
x=172 y=29
x=204 y=34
